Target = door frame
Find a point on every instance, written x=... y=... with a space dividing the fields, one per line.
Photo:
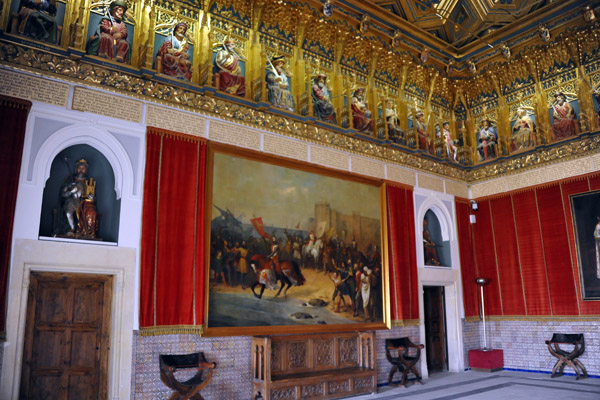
x=76 y=258
x=443 y=296
x=450 y=280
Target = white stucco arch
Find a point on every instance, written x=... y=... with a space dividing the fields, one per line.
x=94 y=136
x=441 y=212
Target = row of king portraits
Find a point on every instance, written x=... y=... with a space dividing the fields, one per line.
x=110 y=33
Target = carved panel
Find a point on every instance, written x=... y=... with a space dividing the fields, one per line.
x=348 y=351
x=297 y=352
x=276 y=356
x=324 y=353
x=364 y=383
x=283 y=394
x=316 y=390
x=339 y=386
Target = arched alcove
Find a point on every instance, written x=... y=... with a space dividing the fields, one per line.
x=432 y=229
x=108 y=206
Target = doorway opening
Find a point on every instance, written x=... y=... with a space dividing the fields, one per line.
x=436 y=341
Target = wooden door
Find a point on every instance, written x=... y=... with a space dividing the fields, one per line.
x=65 y=354
x=435 y=328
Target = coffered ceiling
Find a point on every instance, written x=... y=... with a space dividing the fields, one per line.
x=458 y=28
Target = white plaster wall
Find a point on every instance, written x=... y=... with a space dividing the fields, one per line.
x=50 y=130
x=46 y=256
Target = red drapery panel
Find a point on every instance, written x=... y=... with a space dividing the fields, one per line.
x=468 y=271
x=485 y=257
x=531 y=251
x=173 y=239
x=13 y=114
x=511 y=283
x=556 y=251
x=524 y=242
x=402 y=254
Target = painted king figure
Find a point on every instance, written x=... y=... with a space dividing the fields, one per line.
x=361 y=116
x=488 y=140
x=172 y=58
x=278 y=84
x=228 y=70
x=322 y=107
x=565 y=122
x=110 y=39
x=36 y=20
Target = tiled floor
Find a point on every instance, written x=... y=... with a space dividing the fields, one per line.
x=504 y=385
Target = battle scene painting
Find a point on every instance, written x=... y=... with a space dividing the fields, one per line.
x=293 y=249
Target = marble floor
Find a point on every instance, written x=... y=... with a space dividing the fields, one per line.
x=504 y=385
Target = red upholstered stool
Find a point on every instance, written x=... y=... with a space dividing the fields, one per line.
x=486 y=360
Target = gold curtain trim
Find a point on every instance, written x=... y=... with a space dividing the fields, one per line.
x=406 y=322
x=13 y=102
x=172 y=330
x=537 y=318
x=176 y=135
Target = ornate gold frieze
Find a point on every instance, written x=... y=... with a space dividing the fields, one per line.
x=77 y=71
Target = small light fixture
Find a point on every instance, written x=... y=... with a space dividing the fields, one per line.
x=474 y=205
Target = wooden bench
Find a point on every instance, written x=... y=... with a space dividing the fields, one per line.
x=313 y=366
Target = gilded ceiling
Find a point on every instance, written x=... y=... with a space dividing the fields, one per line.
x=459 y=27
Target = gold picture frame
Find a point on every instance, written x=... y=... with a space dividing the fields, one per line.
x=253 y=197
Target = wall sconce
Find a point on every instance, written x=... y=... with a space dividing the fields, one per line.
x=474 y=205
x=481 y=282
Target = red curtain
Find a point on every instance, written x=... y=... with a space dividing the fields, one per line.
x=531 y=251
x=402 y=254
x=173 y=240
x=524 y=243
x=510 y=279
x=13 y=114
x=467 y=261
x=485 y=257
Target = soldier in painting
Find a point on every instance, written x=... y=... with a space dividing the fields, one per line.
x=173 y=58
x=110 y=39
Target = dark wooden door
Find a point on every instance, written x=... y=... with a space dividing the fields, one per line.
x=435 y=328
x=65 y=354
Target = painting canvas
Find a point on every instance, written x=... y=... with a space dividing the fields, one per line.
x=292 y=248
x=585 y=209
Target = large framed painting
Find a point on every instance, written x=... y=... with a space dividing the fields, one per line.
x=585 y=209
x=294 y=248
